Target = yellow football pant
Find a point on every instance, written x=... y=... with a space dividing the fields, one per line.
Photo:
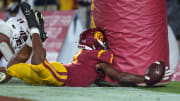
x=52 y=74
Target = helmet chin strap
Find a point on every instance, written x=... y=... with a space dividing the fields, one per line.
x=84 y=47
x=93 y=47
x=101 y=43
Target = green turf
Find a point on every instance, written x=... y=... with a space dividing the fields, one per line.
x=17 y=88
x=173 y=87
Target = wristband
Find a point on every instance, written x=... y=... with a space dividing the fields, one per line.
x=34 y=30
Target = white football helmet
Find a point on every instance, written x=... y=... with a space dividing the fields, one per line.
x=20 y=30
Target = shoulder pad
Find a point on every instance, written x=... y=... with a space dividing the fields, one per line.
x=5 y=29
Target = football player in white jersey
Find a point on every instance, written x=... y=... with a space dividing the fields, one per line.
x=14 y=34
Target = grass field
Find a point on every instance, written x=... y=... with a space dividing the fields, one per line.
x=16 y=88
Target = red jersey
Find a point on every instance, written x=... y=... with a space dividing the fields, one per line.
x=82 y=72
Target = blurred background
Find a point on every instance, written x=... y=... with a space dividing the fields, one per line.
x=11 y=7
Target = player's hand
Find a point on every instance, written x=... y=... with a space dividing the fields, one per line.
x=29 y=14
x=155 y=73
x=34 y=19
x=40 y=19
x=168 y=74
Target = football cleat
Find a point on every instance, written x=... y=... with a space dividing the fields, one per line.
x=92 y=39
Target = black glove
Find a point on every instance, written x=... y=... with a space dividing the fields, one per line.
x=34 y=19
x=29 y=14
x=40 y=20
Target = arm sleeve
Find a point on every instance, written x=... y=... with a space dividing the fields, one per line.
x=105 y=56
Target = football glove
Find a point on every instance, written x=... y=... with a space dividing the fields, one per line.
x=167 y=77
x=155 y=73
x=40 y=20
x=34 y=19
x=29 y=14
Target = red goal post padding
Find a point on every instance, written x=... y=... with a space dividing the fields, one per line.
x=136 y=31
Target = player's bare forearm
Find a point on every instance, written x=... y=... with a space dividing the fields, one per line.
x=122 y=77
x=21 y=56
x=39 y=53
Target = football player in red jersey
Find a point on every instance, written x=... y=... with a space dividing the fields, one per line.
x=80 y=72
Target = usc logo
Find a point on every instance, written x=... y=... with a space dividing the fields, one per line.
x=98 y=35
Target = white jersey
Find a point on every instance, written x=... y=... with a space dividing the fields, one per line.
x=6 y=50
x=5 y=29
x=5 y=47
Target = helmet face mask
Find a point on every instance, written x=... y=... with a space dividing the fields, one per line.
x=20 y=40
x=20 y=30
x=92 y=39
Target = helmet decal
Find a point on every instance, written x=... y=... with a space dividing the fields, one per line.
x=92 y=39
x=99 y=36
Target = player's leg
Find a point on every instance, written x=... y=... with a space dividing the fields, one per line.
x=47 y=73
x=81 y=76
x=24 y=72
x=52 y=74
x=17 y=67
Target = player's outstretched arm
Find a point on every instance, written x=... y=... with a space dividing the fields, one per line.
x=34 y=19
x=39 y=53
x=122 y=77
